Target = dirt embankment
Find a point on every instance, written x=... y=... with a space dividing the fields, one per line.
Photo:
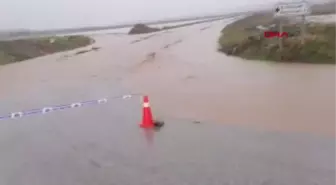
x=245 y=38
x=19 y=50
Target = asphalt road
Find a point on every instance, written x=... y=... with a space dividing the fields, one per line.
x=103 y=145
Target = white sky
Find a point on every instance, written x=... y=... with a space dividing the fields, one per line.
x=50 y=14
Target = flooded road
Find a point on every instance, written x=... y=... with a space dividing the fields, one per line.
x=108 y=149
x=260 y=123
x=191 y=80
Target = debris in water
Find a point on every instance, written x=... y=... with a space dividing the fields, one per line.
x=178 y=41
x=166 y=46
x=95 y=48
x=81 y=52
x=95 y=163
x=150 y=57
x=189 y=77
x=135 y=41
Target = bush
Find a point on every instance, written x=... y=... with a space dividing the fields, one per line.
x=142 y=28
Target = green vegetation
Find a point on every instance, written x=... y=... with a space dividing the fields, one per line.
x=19 y=50
x=243 y=39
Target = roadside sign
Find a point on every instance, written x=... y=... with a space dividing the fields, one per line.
x=271 y=34
x=296 y=8
x=292 y=9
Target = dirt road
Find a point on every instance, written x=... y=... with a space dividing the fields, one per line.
x=261 y=123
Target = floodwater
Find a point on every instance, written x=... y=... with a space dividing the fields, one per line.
x=191 y=80
x=260 y=122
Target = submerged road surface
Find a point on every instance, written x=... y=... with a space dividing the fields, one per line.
x=228 y=121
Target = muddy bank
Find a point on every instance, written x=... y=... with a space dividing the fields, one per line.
x=245 y=38
x=24 y=49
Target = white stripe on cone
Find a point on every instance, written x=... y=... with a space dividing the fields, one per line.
x=146 y=104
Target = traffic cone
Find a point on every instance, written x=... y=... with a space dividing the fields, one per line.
x=147 y=119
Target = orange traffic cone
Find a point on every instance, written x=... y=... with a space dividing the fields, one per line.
x=147 y=119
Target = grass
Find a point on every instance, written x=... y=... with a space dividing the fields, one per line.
x=243 y=39
x=20 y=50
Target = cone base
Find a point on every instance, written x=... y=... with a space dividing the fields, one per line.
x=146 y=126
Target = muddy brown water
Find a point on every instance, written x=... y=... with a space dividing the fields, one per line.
x=192 y=80
x=257 y=122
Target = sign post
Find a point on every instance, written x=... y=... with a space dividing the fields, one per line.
x=292 y=9
x=303 y=29
x=280 y=39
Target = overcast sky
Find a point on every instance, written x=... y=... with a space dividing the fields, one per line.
x=50 y=14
